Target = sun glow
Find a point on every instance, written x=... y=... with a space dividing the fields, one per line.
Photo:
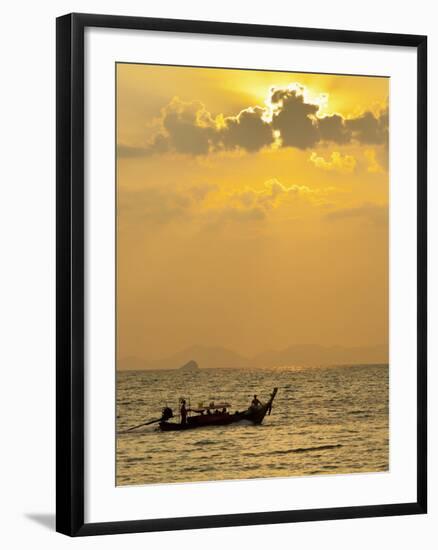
x=250 y=189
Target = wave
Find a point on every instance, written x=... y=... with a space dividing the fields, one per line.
x=306 y=449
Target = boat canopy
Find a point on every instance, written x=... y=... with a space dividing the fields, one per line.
x=211 y=406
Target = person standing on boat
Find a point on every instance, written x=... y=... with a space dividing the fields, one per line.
x=183 y=412
x=255 y=402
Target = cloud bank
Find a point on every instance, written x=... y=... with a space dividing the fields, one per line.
x=289 y=119
x=214 y=206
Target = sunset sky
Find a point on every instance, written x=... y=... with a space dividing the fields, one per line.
x=252 y=210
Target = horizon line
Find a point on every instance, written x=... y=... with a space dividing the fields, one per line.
x=291 y=366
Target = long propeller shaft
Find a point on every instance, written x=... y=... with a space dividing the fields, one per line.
x=140 y=425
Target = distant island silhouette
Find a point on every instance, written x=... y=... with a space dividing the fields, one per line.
x=211 y=357
x=191 y=366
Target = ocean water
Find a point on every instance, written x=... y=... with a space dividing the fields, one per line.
x=327 y=420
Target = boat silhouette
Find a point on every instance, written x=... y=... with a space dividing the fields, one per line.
x=205 y=417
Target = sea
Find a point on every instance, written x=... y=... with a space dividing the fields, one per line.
x=324 y=420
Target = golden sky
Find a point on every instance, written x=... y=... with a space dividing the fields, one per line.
x=252 y=210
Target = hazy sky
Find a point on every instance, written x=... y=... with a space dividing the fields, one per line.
x=252 y=210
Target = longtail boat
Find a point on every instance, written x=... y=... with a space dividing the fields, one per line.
x=205 y=417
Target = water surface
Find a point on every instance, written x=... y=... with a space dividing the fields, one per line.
x=324 y=421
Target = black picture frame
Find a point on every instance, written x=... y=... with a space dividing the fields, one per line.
x=70 y=273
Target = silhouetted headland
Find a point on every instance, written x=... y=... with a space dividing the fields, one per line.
x=308 y=355
x=191 y=366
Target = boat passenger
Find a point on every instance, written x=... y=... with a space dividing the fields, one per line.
x=255 y=402
x=183 y=412
x=224 y=411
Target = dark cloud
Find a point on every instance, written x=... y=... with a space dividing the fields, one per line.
x=333 y=128
x=368 y=128
x=188 y=128
x=247 y=130
x=294 y=118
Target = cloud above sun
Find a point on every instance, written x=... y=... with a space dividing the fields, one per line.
x=289 y=119
x=250 y=209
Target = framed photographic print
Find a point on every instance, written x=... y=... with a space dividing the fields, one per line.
x=241 y=274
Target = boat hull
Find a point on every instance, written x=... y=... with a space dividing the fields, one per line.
x=253 y=414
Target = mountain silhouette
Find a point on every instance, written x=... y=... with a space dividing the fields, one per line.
x=205 y=356
x=191 y=366
x=211 y=357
